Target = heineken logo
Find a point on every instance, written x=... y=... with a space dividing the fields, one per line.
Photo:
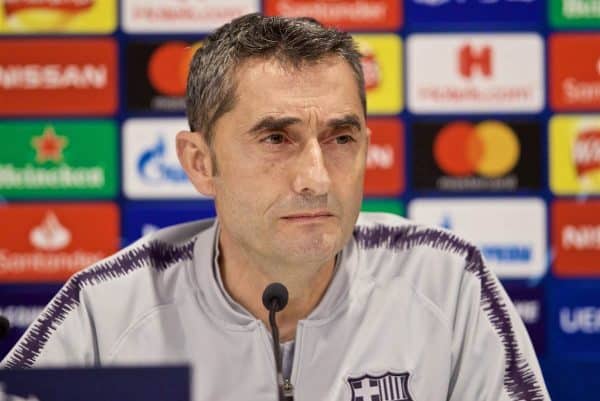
x=62 y=159
x=49 y=146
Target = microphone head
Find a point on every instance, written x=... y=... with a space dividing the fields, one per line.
x=275 y=292
x=4 y=326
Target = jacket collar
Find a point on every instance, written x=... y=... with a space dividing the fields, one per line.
x=221 y=306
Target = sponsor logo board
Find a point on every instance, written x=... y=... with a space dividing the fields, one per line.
x=51 y=242
x=143 y=219
x=488 y=155
x=530 y=305
x=476 y=73
x=575 y=154
x=151 y=169
x=58 y=159
x=21 y=307
x=57 y=16
x=157 y=75
x=343 y=14
x=575 y=85
x=58 y=77
x=576 y=238
x=382 y=65
x=575 y=13
x=468 y=12
x=383 y=205
x=575 y=318
x=385 y=158
x=511 y=233
x=169 y=16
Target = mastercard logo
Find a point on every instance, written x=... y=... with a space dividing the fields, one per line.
x=169 y=66
x=489 y=148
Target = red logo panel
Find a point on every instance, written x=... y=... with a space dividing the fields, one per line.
x=51 y=242
x=576 y=238
x=385 y=158
x=575 y=71
x=343 y=14
x=58 y=77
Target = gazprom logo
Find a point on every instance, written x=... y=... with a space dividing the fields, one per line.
x=500 y=253
x=507 y=253
x=153 y=167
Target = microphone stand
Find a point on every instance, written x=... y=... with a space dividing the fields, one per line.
x=275 y=298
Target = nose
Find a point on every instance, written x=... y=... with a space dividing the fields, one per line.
x=311 y=175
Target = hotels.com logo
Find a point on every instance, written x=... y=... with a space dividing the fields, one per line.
x=471 y=59
x=459 y=73
x=78 y=75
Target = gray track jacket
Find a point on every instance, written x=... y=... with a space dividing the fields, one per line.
x=412 y=313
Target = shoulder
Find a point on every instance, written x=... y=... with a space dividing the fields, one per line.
x=394 y=235
x=165 y=251
x=436 y=263
x=114 y=293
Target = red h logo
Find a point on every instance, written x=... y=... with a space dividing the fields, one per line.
x=469 y=59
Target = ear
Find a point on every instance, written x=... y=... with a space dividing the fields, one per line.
x=195 y=158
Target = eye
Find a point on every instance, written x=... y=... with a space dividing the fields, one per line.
x=274 y=139
x=343 y=139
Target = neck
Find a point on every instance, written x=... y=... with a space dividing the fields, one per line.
x=245 y=279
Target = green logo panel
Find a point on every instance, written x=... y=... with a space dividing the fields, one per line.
x=58 y=159
x=383 y=205
x=575 y=13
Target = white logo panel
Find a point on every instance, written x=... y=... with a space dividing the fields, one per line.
x=511 y=233
x=151 y=169
x=475 y=73
x=182 y=15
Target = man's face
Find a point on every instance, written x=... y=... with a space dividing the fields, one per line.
x=291 y=161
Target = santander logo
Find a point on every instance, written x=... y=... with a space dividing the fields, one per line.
x=50 y=235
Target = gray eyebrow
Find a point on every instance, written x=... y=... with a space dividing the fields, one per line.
x=348 y=120
x=273 y=124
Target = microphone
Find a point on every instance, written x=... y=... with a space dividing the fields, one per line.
x=275 y=298
x=4 y=327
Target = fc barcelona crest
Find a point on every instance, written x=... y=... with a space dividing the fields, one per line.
x=386 y=387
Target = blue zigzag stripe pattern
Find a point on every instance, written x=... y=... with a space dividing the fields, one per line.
x=154 y=254
x=519 y=380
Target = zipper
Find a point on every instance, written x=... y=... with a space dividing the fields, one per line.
x=288 y=387
x=288 y=390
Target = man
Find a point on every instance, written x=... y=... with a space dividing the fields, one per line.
x=379 y=309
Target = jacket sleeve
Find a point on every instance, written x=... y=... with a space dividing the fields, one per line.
x=492 y=356
x=61 y=336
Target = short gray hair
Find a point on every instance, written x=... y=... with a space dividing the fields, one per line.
x=296 y=41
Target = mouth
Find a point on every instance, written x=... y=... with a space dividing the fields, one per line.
x=308 y=216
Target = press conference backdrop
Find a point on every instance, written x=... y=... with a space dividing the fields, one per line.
x=485 y=117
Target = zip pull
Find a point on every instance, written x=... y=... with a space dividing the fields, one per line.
x=288 y=390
